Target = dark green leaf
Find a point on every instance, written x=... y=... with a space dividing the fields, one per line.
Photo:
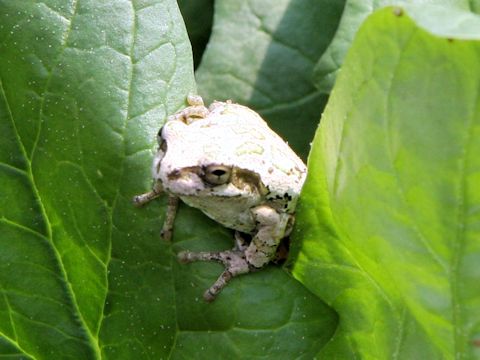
x=84 y=87
x=262 y=54
x=198 y=16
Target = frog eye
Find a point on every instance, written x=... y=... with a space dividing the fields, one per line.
x=217 y=174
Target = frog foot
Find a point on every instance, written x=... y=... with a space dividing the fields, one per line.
x=235 y=264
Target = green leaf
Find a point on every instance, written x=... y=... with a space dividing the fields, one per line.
x=84 y=88
x=355 y=12
x=262 y=54
x=389 y=224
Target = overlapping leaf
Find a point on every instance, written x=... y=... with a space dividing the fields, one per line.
x=389 y=223
x=355 y=12
x=262 y=54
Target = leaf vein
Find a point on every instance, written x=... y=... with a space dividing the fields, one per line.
x=17 y=345
x=459 y=244
x=13 y=168
x=68 y=286
x=24 y=228
x=9 y=311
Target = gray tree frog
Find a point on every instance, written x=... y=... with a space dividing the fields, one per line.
x=227 y=162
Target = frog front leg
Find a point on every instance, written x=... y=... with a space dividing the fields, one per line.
x=172 y=206
x=142 y=199
x=271 y=229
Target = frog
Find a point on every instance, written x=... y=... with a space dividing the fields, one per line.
x=227 y=162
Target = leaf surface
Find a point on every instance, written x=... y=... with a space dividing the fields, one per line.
x=356 y=11
x=262 y=54
x=198 y=17
x=84 y=88
x=389 y=222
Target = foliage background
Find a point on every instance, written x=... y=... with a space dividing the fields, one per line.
x=386 y=249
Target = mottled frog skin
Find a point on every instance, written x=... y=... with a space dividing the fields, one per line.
x=228 y=163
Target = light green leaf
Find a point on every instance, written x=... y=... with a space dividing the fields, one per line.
x=389 y=224
x=355 y=12
x=262 y=54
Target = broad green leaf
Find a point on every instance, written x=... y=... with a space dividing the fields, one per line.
x=353 y=16
x=84 y=87
x=389 y=225
x=262 y=54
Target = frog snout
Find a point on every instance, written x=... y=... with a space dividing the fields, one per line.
x=183 y=183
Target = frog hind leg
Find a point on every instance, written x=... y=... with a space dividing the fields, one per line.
x=234 y=261
x=272 y=227
x=242 y=259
